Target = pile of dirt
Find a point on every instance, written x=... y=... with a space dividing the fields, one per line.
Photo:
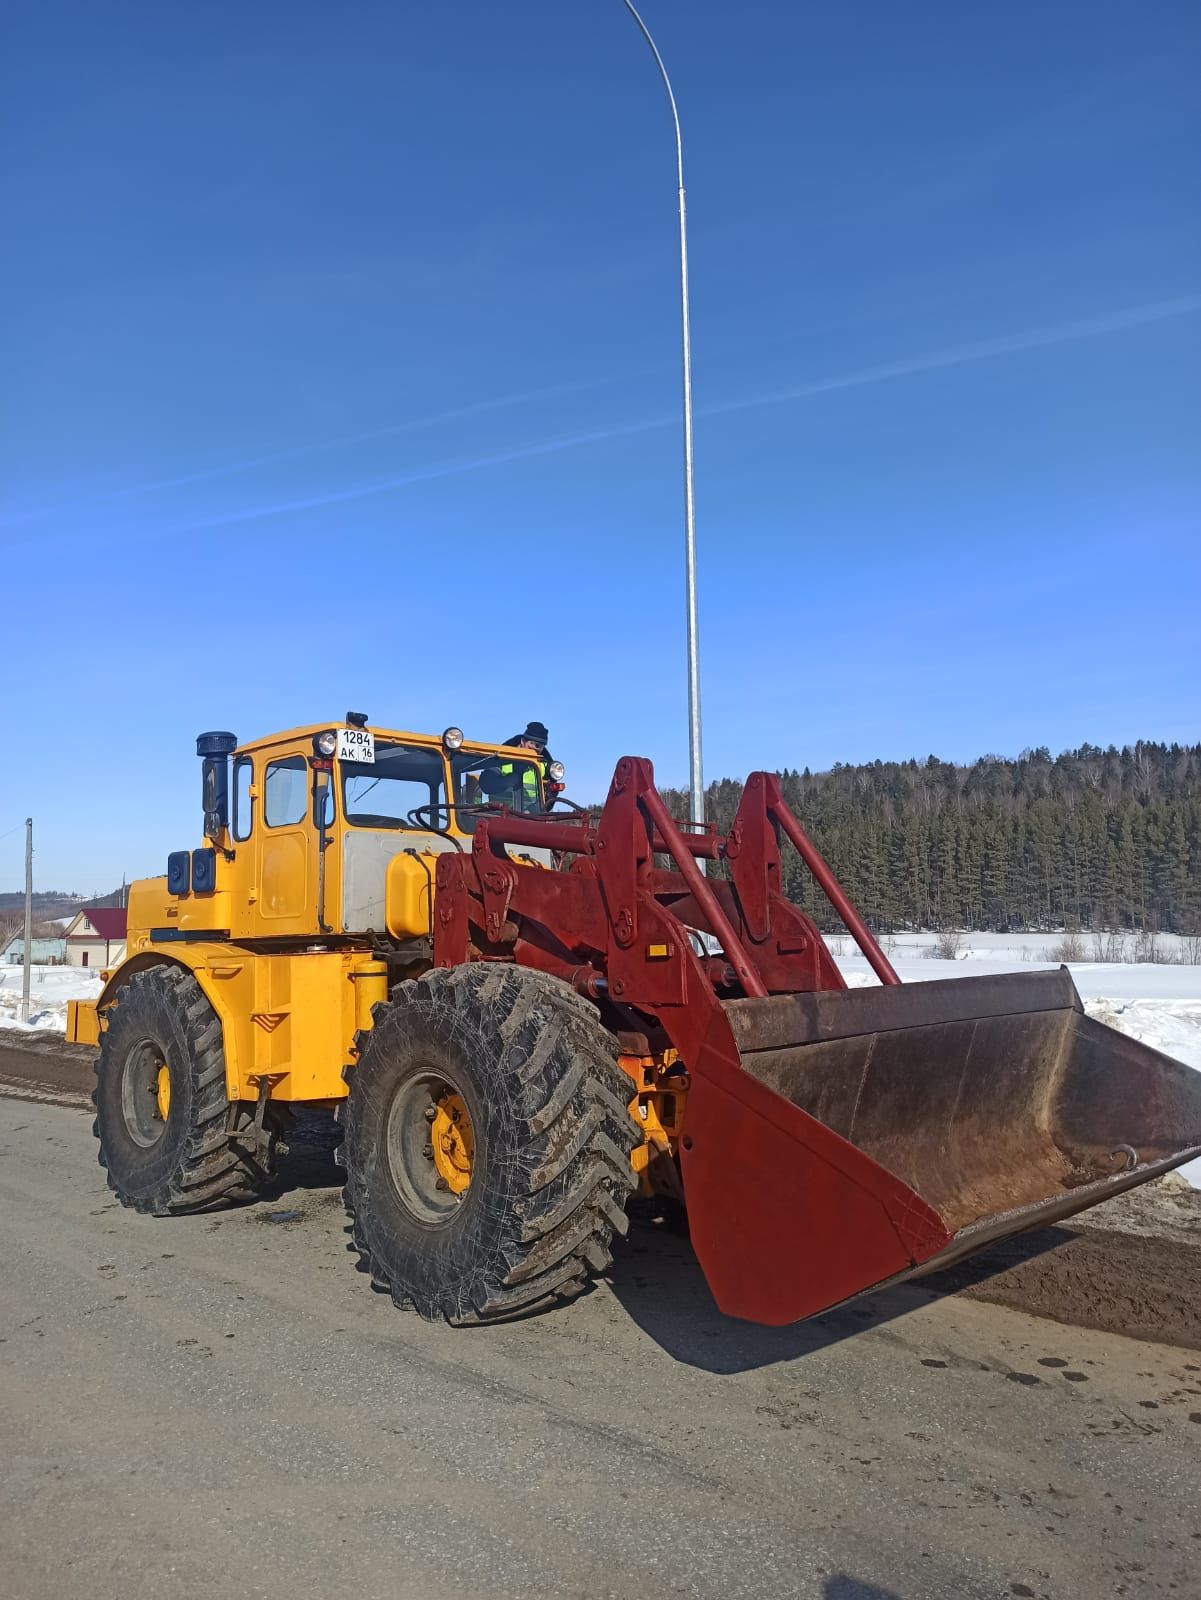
x=42 y=1066
x=1129 y=1266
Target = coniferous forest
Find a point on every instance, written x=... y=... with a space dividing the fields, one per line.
x=1088 y=839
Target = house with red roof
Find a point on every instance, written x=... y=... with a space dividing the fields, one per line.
x=95 y=937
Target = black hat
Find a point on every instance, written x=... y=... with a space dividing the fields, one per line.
x=536 y=730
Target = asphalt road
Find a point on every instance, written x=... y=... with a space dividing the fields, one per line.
x=220 y=1405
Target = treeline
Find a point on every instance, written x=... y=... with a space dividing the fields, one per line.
x=1088 y=839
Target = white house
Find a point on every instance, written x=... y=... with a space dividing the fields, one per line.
x=96 y=937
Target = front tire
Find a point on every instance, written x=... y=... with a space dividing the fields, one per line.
x=488 y=1143
x=162 y=1115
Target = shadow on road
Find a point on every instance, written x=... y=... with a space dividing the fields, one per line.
x=308 y=1162
x=658 y=1281
x=843 y=1587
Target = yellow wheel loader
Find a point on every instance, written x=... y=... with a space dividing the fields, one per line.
x=521 y=1014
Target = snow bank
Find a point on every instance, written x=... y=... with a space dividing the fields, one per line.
x=1038 y=948
x=1173 y=1026
x=49 y=990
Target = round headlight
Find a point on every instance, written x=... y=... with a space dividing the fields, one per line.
x=556 y=772
x=326 y=743
x=452 y=738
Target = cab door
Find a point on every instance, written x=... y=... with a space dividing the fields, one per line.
x=285 y=848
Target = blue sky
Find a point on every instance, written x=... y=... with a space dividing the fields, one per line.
x=341 y=369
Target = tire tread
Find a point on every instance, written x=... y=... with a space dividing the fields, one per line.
x=212 y=1167
x=554 y=1069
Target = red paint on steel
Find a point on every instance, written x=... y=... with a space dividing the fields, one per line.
x=707 y=845
x=829 y=884
x=692 y=875
x=450 y=925
x=543 y=831
x=754 y=858
x=786 y=1216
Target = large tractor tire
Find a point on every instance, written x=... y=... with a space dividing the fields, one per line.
x=488 y=1143
x=162 y=1117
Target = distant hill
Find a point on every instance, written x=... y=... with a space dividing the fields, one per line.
x=49 y=905
x=1090 y=838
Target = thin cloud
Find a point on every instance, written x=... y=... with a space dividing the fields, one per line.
x=448 y=469
x=960 y=355
x=1101 y=326
x=983 y=350
x=299 y=452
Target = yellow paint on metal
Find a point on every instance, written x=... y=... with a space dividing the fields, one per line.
x=370 y=987
x=288 y=1015
x=162 y=1093
x=658 y=951
x=408 y=894
x=83 y=1022
x=658 y=1108
x=453 y=1139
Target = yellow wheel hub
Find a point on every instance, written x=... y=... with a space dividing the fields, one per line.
x=162 y=1092
x=453 y=1142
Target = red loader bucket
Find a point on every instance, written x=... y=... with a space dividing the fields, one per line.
x=890 y=1131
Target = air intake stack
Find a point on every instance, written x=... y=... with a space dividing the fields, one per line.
x=215 y=750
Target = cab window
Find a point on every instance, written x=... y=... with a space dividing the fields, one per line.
x=483 y=781
x=286 y=788
x=243 y=818
x=404 y=787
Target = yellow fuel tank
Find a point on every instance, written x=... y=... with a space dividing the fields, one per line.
x=408 y=902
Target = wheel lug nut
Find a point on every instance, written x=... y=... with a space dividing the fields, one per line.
x=431 y=1111
x=442 y=1184
x=428 y=1152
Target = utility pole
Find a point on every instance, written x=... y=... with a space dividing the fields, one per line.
x=28 y=918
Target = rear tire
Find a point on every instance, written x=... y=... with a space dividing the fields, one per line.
x=162 y=1115
x=548 y=1142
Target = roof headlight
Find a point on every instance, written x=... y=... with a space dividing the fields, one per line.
x=556 y=772
x=326 y=743
x=452 y=739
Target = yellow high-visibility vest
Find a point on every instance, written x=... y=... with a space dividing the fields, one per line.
x=529 y=780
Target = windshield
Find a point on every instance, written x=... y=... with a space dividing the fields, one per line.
x=387 y=792
x=514 y=781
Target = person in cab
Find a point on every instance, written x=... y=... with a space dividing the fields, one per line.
x=515 y=783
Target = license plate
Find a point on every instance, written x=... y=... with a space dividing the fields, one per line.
x=356 y=744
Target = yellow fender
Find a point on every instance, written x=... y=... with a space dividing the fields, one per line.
x=287 y=1019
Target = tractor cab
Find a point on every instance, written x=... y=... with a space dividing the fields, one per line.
x=329 y=831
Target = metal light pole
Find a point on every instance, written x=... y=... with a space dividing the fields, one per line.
x=696 y=782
